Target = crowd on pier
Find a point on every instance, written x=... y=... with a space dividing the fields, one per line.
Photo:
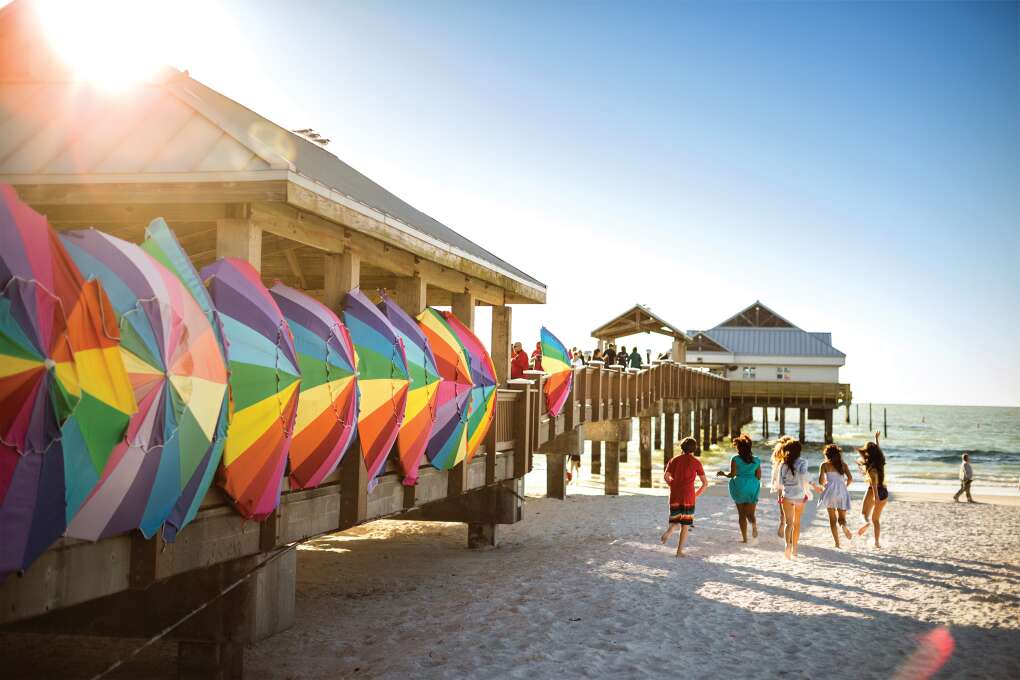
x=521 y=361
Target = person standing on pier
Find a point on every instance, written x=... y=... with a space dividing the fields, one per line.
x=635 y=358
x=609 y=356
x=680 y=474
x=966 y=477
x=622 y=357
x=518 y=362
x=536 y=358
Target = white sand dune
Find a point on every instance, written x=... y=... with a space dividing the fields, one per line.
x=583 y=589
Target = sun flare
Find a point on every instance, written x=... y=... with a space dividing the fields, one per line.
x=109 y=42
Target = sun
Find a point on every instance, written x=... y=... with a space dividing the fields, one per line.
x=112 y=43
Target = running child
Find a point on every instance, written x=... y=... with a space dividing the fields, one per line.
x=680 y=474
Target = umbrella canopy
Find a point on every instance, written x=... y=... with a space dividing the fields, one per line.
x=178 y=375
x=483 y=379
x=448 y=444
x=382 y=379
x=198 y=463
x=327 y=409
x=264 y=382
x=556 y=363
x=422 y=393
x=65 y=397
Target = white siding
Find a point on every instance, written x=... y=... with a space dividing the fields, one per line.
x=768 y=372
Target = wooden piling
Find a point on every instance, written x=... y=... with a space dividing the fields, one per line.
x=556 y=476
x=870 y=426
x=623 y=449
x=803 y=424
x=828 y=427
x=782 y=421
x=657 y=425
x=645 y=449
x=612 y=476
x=596 y=458
x=885 y=423
x=667 y=444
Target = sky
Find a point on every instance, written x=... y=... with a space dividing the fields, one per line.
x=854 y=166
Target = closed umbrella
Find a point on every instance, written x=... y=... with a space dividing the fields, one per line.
x=448 y=444
x=560 y=375
x=483 y=388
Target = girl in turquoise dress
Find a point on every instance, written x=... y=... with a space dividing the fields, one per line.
x=745 y=483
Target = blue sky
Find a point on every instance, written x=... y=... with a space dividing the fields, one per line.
x=854 y=166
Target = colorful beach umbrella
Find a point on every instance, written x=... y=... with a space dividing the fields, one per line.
x=483 y=380
x=448 y=444
x=178 y=374
x=327 y=410
x=422 y=393
x=560 y=375
x=199 y=464
x=65 y=397
x=264 y=383
x=382 y=379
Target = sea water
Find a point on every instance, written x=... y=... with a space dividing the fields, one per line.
x=924 y=445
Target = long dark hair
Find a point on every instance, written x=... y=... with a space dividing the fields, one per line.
x=834 y=455
x=743 y=446
x=874 y=459
x=791 y=451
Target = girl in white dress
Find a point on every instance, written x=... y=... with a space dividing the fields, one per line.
x=835 y=476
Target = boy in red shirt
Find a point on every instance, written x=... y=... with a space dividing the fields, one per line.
x=680 y=473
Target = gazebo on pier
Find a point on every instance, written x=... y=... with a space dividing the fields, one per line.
x=640 y=319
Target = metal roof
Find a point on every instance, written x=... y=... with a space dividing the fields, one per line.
x=772 y=342
x=53 y=129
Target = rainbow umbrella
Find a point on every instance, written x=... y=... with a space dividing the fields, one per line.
x=176 y=367
x=199 y=463
x=422 y=393
x=382 y=379
x=65 y=398
x=328 y=405
x=483 y=379
x=556 y=363
x=448 y=444
x=264 y=382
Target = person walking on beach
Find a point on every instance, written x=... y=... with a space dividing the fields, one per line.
x=745 y=484
x=835 y=477
x=635 y=358
x=793 y=475
x=872 y=463
x=518 y=362
x=680 y=473
x=966 y=477
x=774 y=484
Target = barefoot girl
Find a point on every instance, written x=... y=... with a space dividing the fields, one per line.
x=774 y=485
x=793 y=475
x=835 y=476
x=680 y=473
x=745 y=483
x=872 y=463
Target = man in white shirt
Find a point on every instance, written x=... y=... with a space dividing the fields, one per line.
x=966 y=477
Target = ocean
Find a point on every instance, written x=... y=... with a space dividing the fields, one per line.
x=924 y=444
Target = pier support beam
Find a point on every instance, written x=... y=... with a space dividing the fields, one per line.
x=684 y=419
x=696 y=431
x=803 y=422
x=502 y=325
x=556 y=453
x=615 y=434
x=715 y=421
x=596 y=458
x=765 y=422
x=706 y=427
x=657 y=426
x=612 y=476
x=828 y=427
x=667 y=444
x=645 y=448
x=623 y=449
x=782 y=421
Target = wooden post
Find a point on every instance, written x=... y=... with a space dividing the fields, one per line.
x=645 y=449
x=596 y=458
x=870 y=426
x=463 y=308
x=731 y=422
x=765 y=422
x=782 y=421
x=715 y=421
x=623 y=449
x=556 y=475
x=803 y=423
x=657 y=427
x=239 y=237
x=696 y=433
x=828 y=426
x=667 y=448
x=858 y=414
x=343 y=273
x=706 y=429
x=411 y=296
x=502 y=325
x=612 y=475
x=847 y=419
x=885 y=423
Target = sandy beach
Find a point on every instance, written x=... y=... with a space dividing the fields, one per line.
x=583 y=589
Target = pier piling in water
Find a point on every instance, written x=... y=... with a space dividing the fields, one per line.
x=803 y=423
x=885 y=423
x=782 y=421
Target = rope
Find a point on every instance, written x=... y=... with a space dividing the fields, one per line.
x=166 y=631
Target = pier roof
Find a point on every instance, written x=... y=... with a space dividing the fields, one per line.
x=637 y=319
x=759 y=331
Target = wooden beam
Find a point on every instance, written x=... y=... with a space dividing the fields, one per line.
x=411 y=294
x=502 y=325
x=295 y=267
x=464 y=308
x=152 y=192
x=240 y=238
x=342 y=273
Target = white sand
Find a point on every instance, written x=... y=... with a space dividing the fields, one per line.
x=582 y=589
